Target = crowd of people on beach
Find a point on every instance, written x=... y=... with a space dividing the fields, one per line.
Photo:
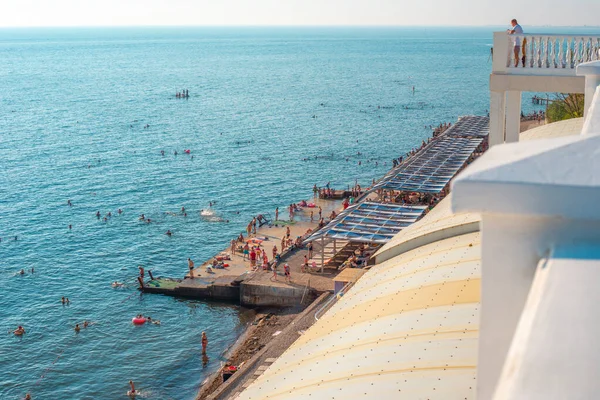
x=538 y=116
x=251 y=247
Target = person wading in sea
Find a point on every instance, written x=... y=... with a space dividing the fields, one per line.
x=204 y=343
x=191 y=267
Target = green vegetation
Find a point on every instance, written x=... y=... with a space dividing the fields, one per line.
x=565 y=106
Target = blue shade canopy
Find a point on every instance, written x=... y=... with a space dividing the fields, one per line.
x=369 y=222
x=470 y=126
x=430 y=170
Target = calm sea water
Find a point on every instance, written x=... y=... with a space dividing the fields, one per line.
x=73 y=106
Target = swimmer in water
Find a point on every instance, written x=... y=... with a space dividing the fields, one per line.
x=19 y=331
x=22 y=272
x=32 y=270
x=77 y=328
x=70 y=226
x=182 y=209
x=131 y=392
x=86 y=324
x=27 y=396
x=152 y=321
x=120 y=211
x=98 y=214
x=168 y=233
x=142 y=217
x=116 y=284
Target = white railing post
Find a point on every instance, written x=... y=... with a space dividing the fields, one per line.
x=501 y=52
x=561 y=53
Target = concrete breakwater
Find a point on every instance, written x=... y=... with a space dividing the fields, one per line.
x=235 y=289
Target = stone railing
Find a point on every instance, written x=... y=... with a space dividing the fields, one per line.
x=540 y=54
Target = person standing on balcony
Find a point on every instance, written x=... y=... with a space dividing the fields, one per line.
x=516 y=30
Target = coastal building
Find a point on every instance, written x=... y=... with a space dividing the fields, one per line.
x=491 y=294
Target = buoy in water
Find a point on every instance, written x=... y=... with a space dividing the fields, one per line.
x=138 y=321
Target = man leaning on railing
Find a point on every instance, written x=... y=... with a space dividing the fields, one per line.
x=516 y=30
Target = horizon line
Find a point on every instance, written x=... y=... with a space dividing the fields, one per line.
x=281 y=26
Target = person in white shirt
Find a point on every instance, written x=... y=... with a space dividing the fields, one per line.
x=516 y=29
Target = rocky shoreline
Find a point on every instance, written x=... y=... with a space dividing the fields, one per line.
x=270 y=334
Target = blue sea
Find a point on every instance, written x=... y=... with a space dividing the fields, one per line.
x=84 y=116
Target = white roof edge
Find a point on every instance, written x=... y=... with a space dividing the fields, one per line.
x=427 y=238
x=529 y=199
x=552 y=178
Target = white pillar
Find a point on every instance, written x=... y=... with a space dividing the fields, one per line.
x=497 y=117
x=591 y=71
x=513 y=116
x=508 y=266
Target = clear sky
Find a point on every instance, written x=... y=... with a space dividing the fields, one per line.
x=297 y=12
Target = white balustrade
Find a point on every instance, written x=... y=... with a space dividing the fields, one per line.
x=541 y=54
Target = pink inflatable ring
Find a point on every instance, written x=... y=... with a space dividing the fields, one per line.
x=138 y=321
